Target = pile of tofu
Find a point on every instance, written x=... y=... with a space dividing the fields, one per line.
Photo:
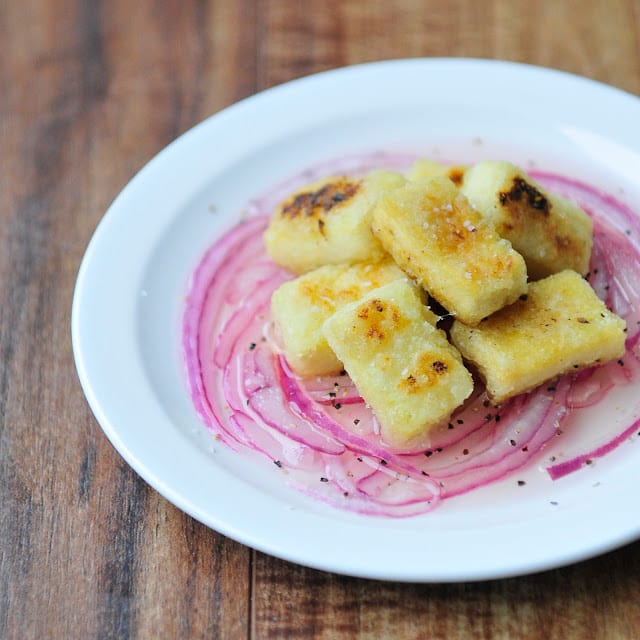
x=502 y=258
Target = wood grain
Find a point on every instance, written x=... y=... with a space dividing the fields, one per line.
x=92 y=90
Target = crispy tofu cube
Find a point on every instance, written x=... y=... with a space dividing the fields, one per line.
x=423 y=168
x=328 y=222
x=299 y=308
x=550 y=232
x=436 y=237
x=559 y=326
x=402 y=365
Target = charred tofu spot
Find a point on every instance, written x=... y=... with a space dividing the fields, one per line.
x=456 y=176
x=523 y=193
x=316 y=204
x=375 y=332
x=379 y=319
x=425 y=374
x=454 y=223
x=563 y=242
x=439 y=367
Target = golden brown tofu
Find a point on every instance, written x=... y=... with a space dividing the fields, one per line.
x=559 y=326
x=328 y=222
x=423 y=168
x=436 y=237
x=550 y=232
x=402 y=365
x=299 y=308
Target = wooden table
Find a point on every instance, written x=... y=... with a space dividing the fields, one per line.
x=90 y=91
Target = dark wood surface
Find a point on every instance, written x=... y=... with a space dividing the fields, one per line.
x=90 y=91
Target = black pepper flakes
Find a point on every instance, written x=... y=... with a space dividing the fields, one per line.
x=383 y=462
x=356 y=421
x=278 y=464
x=428 y=454
x=323 y=479
x=252 y=346
x=337 y=405
x=521 y=483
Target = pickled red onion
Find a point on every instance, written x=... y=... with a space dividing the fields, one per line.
x=323 y=434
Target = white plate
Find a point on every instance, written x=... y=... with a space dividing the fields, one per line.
x=130 y=294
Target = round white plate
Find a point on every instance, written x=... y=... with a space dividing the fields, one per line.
x=130 y=292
